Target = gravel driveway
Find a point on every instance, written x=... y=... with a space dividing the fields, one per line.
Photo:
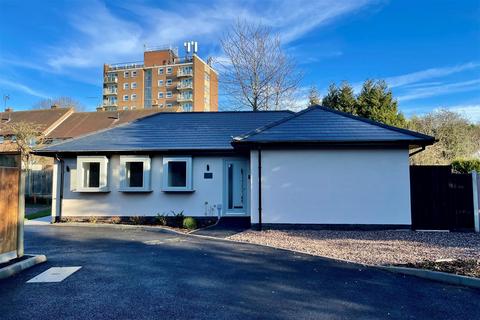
x=372 y=247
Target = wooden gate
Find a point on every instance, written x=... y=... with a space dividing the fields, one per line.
x=9 y=201
x=441 y=200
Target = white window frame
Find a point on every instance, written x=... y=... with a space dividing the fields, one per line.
x=125 y=108
x=160 y=70
x=169 y=82
x=133 y=85
x=126 y=74
x=126 y=86
x=133 y=97
x=189 y=180
x=169 y=105
x=103 y=183
x=134 y=74
x=125 y=97
x=168 y=94
x=146 y=173
x=169 y=70
x=160 y=95
x=160 y=83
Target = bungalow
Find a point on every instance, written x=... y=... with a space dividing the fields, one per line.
x=318 y=166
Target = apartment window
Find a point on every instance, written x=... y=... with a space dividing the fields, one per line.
x=187 y=107
x=125 y=86
x=2 y=139
x=169 y=94
x=125 y=108
x=134 y=74
x=134 y=97
x=160 y=83
x=134 y=173
x=177 y=174
x=160 y=105
x=133 y=85
x=92 y=173
x=169 y=70
x=125 y=97
x=134 y=108
x=169 y=105
x=169 y=82
x=207 y=77
x=126 y=74
x=160 y=70
x=160 y=95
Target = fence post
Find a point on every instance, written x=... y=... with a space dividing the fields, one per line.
x=476 y=199
x=21 y=211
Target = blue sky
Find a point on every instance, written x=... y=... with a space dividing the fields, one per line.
x=428 y=51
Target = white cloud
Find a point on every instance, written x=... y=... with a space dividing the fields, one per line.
x=101 y=36
x=442 y=89
x=471 y=111
x=428 y=74
x=23 y=88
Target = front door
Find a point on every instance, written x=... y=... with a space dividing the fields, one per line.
x=236 y=187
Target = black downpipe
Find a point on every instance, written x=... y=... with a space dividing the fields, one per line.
x=62 y=165
x=259 y=189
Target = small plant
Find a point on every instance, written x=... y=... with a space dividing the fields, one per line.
x=161 y=219
x=115 y=220
x=93 y=219
x=466 y=165
x=189 y=223
x=136 y=219
x=177 y=219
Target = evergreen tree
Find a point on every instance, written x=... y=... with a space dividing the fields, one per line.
x=340 y=98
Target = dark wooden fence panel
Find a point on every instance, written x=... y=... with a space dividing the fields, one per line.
x=441 y=200
x=39 y=183
x=9 y=182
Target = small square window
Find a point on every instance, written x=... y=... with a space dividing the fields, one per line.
x=92 y=174
x=160 y=105
x=177 y=174
x=2 y=139
x=169 y=94
x=126 y=74
x=125 y=97
x=160 y=95
x=134 y=74
x=160 y=83
x=169 y=105
x=160 y=70
x=169 y=70
x=135 y=173
x=125 y=86
x=134 y=97
x=125 y=108
x=169 y=82
x=134 y=107
x=133 y=85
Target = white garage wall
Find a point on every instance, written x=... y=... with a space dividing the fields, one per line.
x=332 y=186
x=115 y=203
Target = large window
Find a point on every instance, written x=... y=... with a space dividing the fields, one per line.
x=177 y=174
x=92 y=174
x=135 y=173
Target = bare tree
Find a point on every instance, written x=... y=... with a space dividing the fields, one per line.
x=26 y=136
x=257 y=73
x=61 y=102
x=314 y=96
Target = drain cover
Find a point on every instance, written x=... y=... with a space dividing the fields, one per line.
x=55 y=274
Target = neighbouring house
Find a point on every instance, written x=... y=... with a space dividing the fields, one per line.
x=317 y=166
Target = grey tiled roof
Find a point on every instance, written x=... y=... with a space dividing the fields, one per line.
x=171 y=131
x=319 y=124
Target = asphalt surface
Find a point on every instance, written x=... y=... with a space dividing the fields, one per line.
x=138 y=274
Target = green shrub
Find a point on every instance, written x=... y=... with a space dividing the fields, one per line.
x=466 y=165
x=189 y=223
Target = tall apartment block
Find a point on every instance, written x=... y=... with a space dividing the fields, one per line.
x=163 y=80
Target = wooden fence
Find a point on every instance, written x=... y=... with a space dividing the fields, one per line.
x=9 y=217
x=38 y=183
x=441 y=200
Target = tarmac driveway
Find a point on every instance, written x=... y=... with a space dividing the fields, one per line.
x=137 y=274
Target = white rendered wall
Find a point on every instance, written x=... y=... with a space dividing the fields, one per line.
x=115 y=203
x=332 y=186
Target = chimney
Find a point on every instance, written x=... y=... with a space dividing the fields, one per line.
x=54 y=106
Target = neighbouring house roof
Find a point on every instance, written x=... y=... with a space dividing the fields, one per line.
x=81 y=123
x=321 y=125
x=46 y=120
x=171 y=132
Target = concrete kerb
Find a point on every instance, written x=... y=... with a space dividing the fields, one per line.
x=17 y=267
x=420 y=273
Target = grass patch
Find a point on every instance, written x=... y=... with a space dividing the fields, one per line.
x=39 y=214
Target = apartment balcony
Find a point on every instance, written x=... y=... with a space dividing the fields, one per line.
x=184 y=98
x=184 y=86
x=109 y=92
x=110 y=79
x=107 y=103
x=184 y=73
